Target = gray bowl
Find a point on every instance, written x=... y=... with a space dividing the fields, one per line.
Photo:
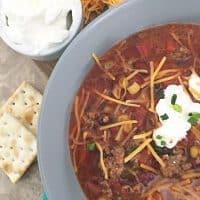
x=53 y=150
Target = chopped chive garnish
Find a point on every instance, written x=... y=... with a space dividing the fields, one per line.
x=195 y=114
x=173 y=99
x=159 y=137
x=194 y=118
x=164 y=117
x=163 y=143
x=91 y=146
x=177 y=108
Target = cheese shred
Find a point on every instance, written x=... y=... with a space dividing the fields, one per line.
x=115 y=100
x=155 y=155
x=165 y=79
x=93 y=8
x=149 y=168
x=129 y=77
x=136 y=151
x=191 y=175
x=105 y=171
x=142 y=135
x=102 y=128
x=152 y=102
x=162 y=62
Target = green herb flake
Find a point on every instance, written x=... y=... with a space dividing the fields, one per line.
x=192 y=120
x=173 y=99
x=164 y=117
x=194 y=117
x=159 y=137
x=91 y=146
x=163 y=143
x=177 y=108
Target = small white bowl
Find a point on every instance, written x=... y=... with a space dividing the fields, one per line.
x=53 y=52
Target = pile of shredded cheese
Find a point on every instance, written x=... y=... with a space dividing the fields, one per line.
x=93 y=8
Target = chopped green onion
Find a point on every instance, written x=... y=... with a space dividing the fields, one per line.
x=91 y=146
x=194 y=118
x=159 y=137
x=195 y=114
x=177 y=108
x=163 y=143
x=173 y=99
x=164 y=117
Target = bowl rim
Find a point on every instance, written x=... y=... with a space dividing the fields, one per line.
x=54 y=49
x=189 y=14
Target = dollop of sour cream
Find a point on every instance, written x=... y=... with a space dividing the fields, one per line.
x=38 y=24
x=176 y=112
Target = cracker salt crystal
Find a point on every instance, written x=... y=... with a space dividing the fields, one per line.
x=17 y=147
x=24 y=104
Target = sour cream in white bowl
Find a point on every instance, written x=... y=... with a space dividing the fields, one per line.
x=40 y=29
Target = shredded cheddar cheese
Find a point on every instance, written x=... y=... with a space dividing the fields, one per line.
x=175 y=188
x=153 y=75
x=162 y=62
x=112 y=3
x=105 y=171
x=161 y=80
x=115 y=100
x=149 y=168
x=155 y=155
x=185 y=182
x=93 y=8
x=142 y=135
x=129 y=77
x=196 y=132
x=104 y=136
x=102 y=128
x=117 y=138
x=152 y=102
x=85 y=135
x=167 y=78
x=136 y=151
x=85 y=104
x=191 y=175
x=163 y=73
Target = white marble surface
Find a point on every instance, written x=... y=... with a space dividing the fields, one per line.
x=15 y=68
